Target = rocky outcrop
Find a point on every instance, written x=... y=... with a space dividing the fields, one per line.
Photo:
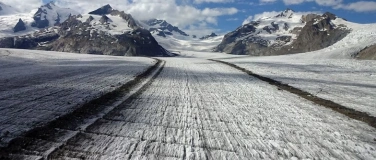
x=107 y=9
x=309 y=17
x=138 y=42
x=317 y=32
x=249 y=45
x=209 y=36
x=50 y=15
x=104 y=19
x=368 y=53
x=28 y=41
x=78 y=36
x=40 y=20
x=20 y=26
x=157 y=26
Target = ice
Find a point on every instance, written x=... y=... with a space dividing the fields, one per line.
x=198 y=109
x=37 y=87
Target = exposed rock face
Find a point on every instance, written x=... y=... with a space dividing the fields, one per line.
x=28 y=42
x=80 y=35
x=138 y=42
x=309 y=17
x=317 y=34
x=209 y=36
x=50 y=15
x=107 y=9
x=20 y=26
x=156 y=26
x=232 y=44
x=368 y=53
x=104 y=19
x=283 y=35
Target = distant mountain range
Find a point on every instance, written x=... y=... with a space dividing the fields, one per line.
x=112 y=32
x=103 y=31
x=285 y=33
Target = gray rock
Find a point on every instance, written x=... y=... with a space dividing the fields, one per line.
x=80 y=37
x=164 y=26
x=309 y=17
x=318 y=33
x=104 y=19
x=20 y=26
x=88 y=20
x=27 y=42
x=40 y=17
x=368 y=53
x=209 y=36
x=107 y=9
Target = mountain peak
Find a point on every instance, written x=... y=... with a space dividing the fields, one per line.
x=286 y=13
x=106 y=9
x=50 y=15
x=209 y=36
x=50 y=5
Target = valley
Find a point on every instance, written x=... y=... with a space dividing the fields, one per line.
x=106 y=85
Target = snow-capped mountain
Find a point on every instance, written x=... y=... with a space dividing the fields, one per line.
x=287 y=32
x=50 y=15
x=104 y=31
x=212 y=35
x=163 y=28
x=6 y=9
x=17 y=24
x=173 y=38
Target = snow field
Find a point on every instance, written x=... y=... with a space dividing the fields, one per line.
x=198 y=109
x=37 y=87
x=115 y=26
x=351 y=83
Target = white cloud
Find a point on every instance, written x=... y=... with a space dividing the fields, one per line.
x=24 y=5
x=361 y=6
x=182 y=15
x=212 y=1
x=267 y=1
x=232 y=19
x=293 y=2
x=247 y=20
x=272 y=14
x=265 y=15
x=328 y=2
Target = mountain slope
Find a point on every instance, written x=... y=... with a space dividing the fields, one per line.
x=115 y=33
x=50 y=15
x=163 y=28
x=285 y=33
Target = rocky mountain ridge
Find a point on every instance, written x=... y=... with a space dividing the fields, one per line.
x=110 y=33
x=212 y=35
x=285 y=33
x=162 y=28
x=50 y=15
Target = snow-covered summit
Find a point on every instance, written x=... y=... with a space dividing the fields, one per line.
x=50 y=15
x=284 y=33
x=107 y=9
x=163 y=28
x=269 y=31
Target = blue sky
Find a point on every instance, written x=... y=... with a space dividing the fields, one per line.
x=231 y=14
